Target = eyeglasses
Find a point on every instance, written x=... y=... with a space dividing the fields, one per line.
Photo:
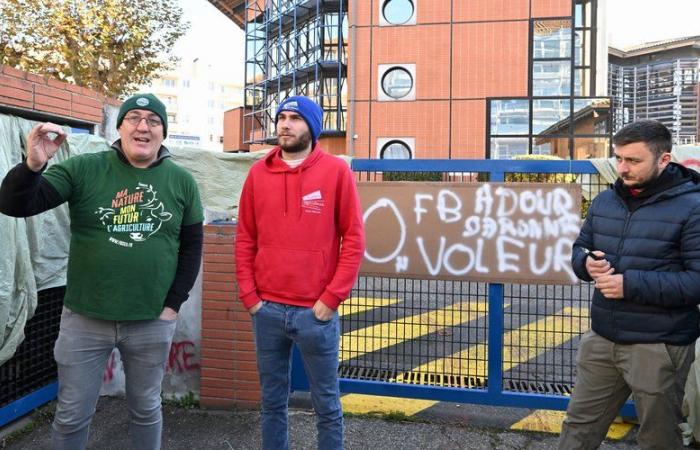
x=135 y=120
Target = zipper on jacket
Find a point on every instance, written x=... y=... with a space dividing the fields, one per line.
x=624 y=231
x=619 y=249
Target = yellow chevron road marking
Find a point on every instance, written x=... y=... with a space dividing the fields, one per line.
x=550 y=422
x=368 y=404
x=356 y=305
x=519 y=345
x=544 y=420
x=366 y=340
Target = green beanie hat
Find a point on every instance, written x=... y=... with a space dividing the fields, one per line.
x=149 y=102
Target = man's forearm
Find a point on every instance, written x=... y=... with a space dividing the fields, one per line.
x=352 y=247
x=246 y=248
x=245 y=278
x=24 y=193
x=663 y=289
x=188 y=261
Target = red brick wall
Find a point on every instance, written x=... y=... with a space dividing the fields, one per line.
x=551 y=8
x=233 y=131
x=47 y=95
x=229 y=375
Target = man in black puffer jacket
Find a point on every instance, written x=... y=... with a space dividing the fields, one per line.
x=640 y=244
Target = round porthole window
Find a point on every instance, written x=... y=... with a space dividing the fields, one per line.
x=395 y=150
x=397 y=82
x=398 y=12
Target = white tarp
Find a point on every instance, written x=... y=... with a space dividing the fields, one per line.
x=34 y=249
x=17 y=286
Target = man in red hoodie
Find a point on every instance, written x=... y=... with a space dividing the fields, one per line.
x=299 y=245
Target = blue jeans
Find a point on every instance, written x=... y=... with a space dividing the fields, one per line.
x=276 y=327
x=81 y=352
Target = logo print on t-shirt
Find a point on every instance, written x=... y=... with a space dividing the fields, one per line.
x=134 y=216
x=312 y=202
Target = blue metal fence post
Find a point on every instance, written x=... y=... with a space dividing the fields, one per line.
x=495 y=344
x=497 y=177
x=299 y=381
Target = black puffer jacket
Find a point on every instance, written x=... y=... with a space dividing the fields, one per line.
x=654 y=242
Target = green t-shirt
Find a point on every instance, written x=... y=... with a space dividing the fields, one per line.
x=125 y=232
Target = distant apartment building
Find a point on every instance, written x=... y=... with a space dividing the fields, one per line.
x=429 y=78
x=657 y=80
x=196 y=97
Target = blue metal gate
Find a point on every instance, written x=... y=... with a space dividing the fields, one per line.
x=507 y=345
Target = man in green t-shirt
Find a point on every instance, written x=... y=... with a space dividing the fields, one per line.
x=135 y=251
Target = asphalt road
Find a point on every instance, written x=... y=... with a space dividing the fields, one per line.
x=194 y=429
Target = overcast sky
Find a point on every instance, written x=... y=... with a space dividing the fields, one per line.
x=213 y=38
x=632 y=22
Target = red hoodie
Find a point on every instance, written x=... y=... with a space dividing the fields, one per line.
x=300 y=236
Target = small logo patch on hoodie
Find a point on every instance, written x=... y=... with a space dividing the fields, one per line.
x=312 y=202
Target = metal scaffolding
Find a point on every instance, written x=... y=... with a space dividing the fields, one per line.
x=294 y=47
x=666 y=91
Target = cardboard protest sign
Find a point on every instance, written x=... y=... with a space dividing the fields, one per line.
x=495 y=232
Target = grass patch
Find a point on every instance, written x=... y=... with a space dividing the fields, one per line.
x=389 y=416
x=187 y=401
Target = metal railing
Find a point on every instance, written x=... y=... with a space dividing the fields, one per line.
x=28 y=379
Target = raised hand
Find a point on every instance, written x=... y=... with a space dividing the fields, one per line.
x=42 y=146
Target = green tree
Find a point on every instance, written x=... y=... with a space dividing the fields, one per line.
x=110 y=46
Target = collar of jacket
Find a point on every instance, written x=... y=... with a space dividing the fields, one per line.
x=675 y=179
x=275 y=163
x=162 y=154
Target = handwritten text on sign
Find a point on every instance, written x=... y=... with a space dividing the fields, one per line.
x=505 y=232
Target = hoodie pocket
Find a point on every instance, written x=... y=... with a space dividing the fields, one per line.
x=290 y=272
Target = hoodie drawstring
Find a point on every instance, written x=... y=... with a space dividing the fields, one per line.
x=285 y=194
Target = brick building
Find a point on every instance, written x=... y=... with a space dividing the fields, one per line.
x=429 y=78
x=44 y=98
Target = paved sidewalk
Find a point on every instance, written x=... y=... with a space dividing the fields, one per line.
x=195 y=429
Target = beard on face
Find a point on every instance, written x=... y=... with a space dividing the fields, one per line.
x=653 y=176
x=296 y=145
